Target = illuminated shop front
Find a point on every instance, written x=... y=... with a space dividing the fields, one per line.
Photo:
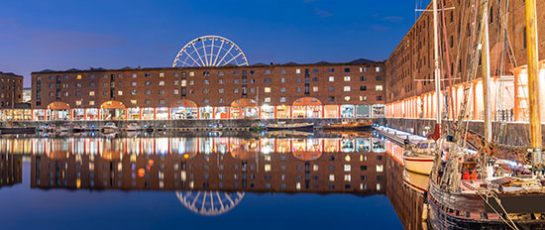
x=112 y=110
x=267 y=112
x=92 y=114
x=206 y=112
x=283 y=112
x=162 y=113
x=307 y=107
x=184 y=109
x=148 y=114
x=221 y=113
x=331 y=111
x=133 y=113
x=244 y=109
x=58 y=111
x=347 y=111
x=363 y=111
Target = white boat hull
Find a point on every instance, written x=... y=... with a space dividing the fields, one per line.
x=419 y=164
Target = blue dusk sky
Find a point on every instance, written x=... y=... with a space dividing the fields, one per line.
x=64 y=34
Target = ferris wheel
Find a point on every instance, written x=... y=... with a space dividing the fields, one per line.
x=210 y=203
x=210 y=51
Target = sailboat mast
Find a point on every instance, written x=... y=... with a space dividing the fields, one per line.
x=485 y=52
x=533 y=82
x=437 y=72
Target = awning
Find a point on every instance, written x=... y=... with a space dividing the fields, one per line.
x=58 y=106
x=184 y=103
x=307 y=101
x=112 y=105
x=244 y=102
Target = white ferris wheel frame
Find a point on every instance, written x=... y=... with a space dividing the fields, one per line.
x=196 y=201
x=212 y=55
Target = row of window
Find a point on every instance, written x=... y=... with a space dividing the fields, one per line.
x=377 y=69
x=205 y=81
x=266 y=90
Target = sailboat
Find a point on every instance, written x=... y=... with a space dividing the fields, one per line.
x=483 y=189
x=419 y=157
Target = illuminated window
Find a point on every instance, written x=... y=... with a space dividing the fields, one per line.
x=379 y=187
x=134 y=102
x=347 y=178
x=267 y=89
x=267 y=168
x=78 y=77
x=331 y=178
x=191 y=74
x=78 y=103
x=315 y=89
x=267 y=99
x=378 y=69
x=331 y=79
x=133 y=84
x=347 y=168
x=347 y=89
x=298 y=71
x=184 y=83
x=283 y=80
x=161 y=83
x=161 y=74
x=380 y=168
x=120 y=93
x=283 y=99
x=315 y=168
x=176 y=91
x=91 y=93
x=379 y=88
x=347 y=98
x=346 y=78
x=91 y=103
x=363 y=98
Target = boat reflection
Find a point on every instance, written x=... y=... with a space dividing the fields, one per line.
x=406 y=190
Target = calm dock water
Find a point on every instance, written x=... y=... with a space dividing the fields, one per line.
x=206 y=181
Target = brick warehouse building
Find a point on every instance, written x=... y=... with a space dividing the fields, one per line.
x=11 y=90
x=322 y=90
x=409 y=77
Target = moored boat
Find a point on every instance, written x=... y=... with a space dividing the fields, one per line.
x=133 y=127
x=351 y=125
x=109 y=127
x=419 y=157
x=304 y=126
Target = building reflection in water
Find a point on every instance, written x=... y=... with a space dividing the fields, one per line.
x=227 y=166
x=11 y=169
x=405 y=190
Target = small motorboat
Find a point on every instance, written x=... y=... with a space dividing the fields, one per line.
x=304 y=126
x=79 y=128
x=350 y=125
x=288 y=133
x=47 y=128
x=64 y=129
x=419 y=157
x=133 y=127
x=109 y=127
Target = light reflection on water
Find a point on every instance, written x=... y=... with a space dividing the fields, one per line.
x=213 y=176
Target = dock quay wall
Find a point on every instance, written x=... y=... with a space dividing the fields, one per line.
x=506 y=133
